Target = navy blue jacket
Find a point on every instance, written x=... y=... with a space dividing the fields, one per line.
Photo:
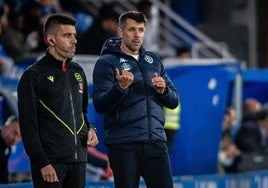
x=133 y=115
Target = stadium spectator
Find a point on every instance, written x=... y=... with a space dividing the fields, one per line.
x=103 y=27
x=6 y=62
x=33 y=22
x=172 y=124
x=82 y=11
x=252 y=135
x=229 y=154
x=9 y=137
x=35 y=14
x=17 y=45
x=250 y=107
x=183 y=52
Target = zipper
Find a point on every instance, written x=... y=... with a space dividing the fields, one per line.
x=73 y=115
x=147 y=109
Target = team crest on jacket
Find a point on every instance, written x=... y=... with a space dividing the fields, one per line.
x=126 y=66
x=149 y=59
x=78 y=77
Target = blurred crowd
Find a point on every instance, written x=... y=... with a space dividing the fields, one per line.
x=21 y=28
x=244 y=143
x=21 y=42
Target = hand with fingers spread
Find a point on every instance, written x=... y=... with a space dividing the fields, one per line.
x=124 y=79
x=159 y=83
x=49 y=174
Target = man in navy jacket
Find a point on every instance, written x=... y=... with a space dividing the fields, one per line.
x=130 y=88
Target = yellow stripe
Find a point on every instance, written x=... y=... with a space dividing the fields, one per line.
x=83 y=123
x=63 y=121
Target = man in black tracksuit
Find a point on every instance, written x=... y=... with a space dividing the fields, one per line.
x=52 y=101
x=130 y=86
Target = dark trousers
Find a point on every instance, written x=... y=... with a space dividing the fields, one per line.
x=129 y=162
x=70 y=175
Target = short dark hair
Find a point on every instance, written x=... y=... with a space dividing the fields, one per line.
x=58 y=19
x=181 y=50
x=134 y=15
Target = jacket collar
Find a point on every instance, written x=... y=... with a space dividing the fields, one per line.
x=52 y=61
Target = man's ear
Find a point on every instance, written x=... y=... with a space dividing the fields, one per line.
x=120 y=32
x=49 y=40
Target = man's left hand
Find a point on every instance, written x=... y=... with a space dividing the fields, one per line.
x=92 y=139
x=159 y=83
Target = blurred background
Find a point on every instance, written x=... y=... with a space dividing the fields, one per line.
x=215 y=52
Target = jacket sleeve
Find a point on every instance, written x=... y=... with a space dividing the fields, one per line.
x=85 y=103
x=106 y=92
x=28 y=106
x=170 y=98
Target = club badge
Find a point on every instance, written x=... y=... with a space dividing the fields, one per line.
x=126 y=66
x=149 y=59
x=78 y=77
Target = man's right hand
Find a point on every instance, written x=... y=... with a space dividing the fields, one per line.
x=49 y=174
x=125 y=79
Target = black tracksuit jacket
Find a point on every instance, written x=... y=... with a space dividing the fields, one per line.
x=52 y=111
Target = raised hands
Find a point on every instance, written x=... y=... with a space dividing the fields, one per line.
x=124 y=79
x=159 y=83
